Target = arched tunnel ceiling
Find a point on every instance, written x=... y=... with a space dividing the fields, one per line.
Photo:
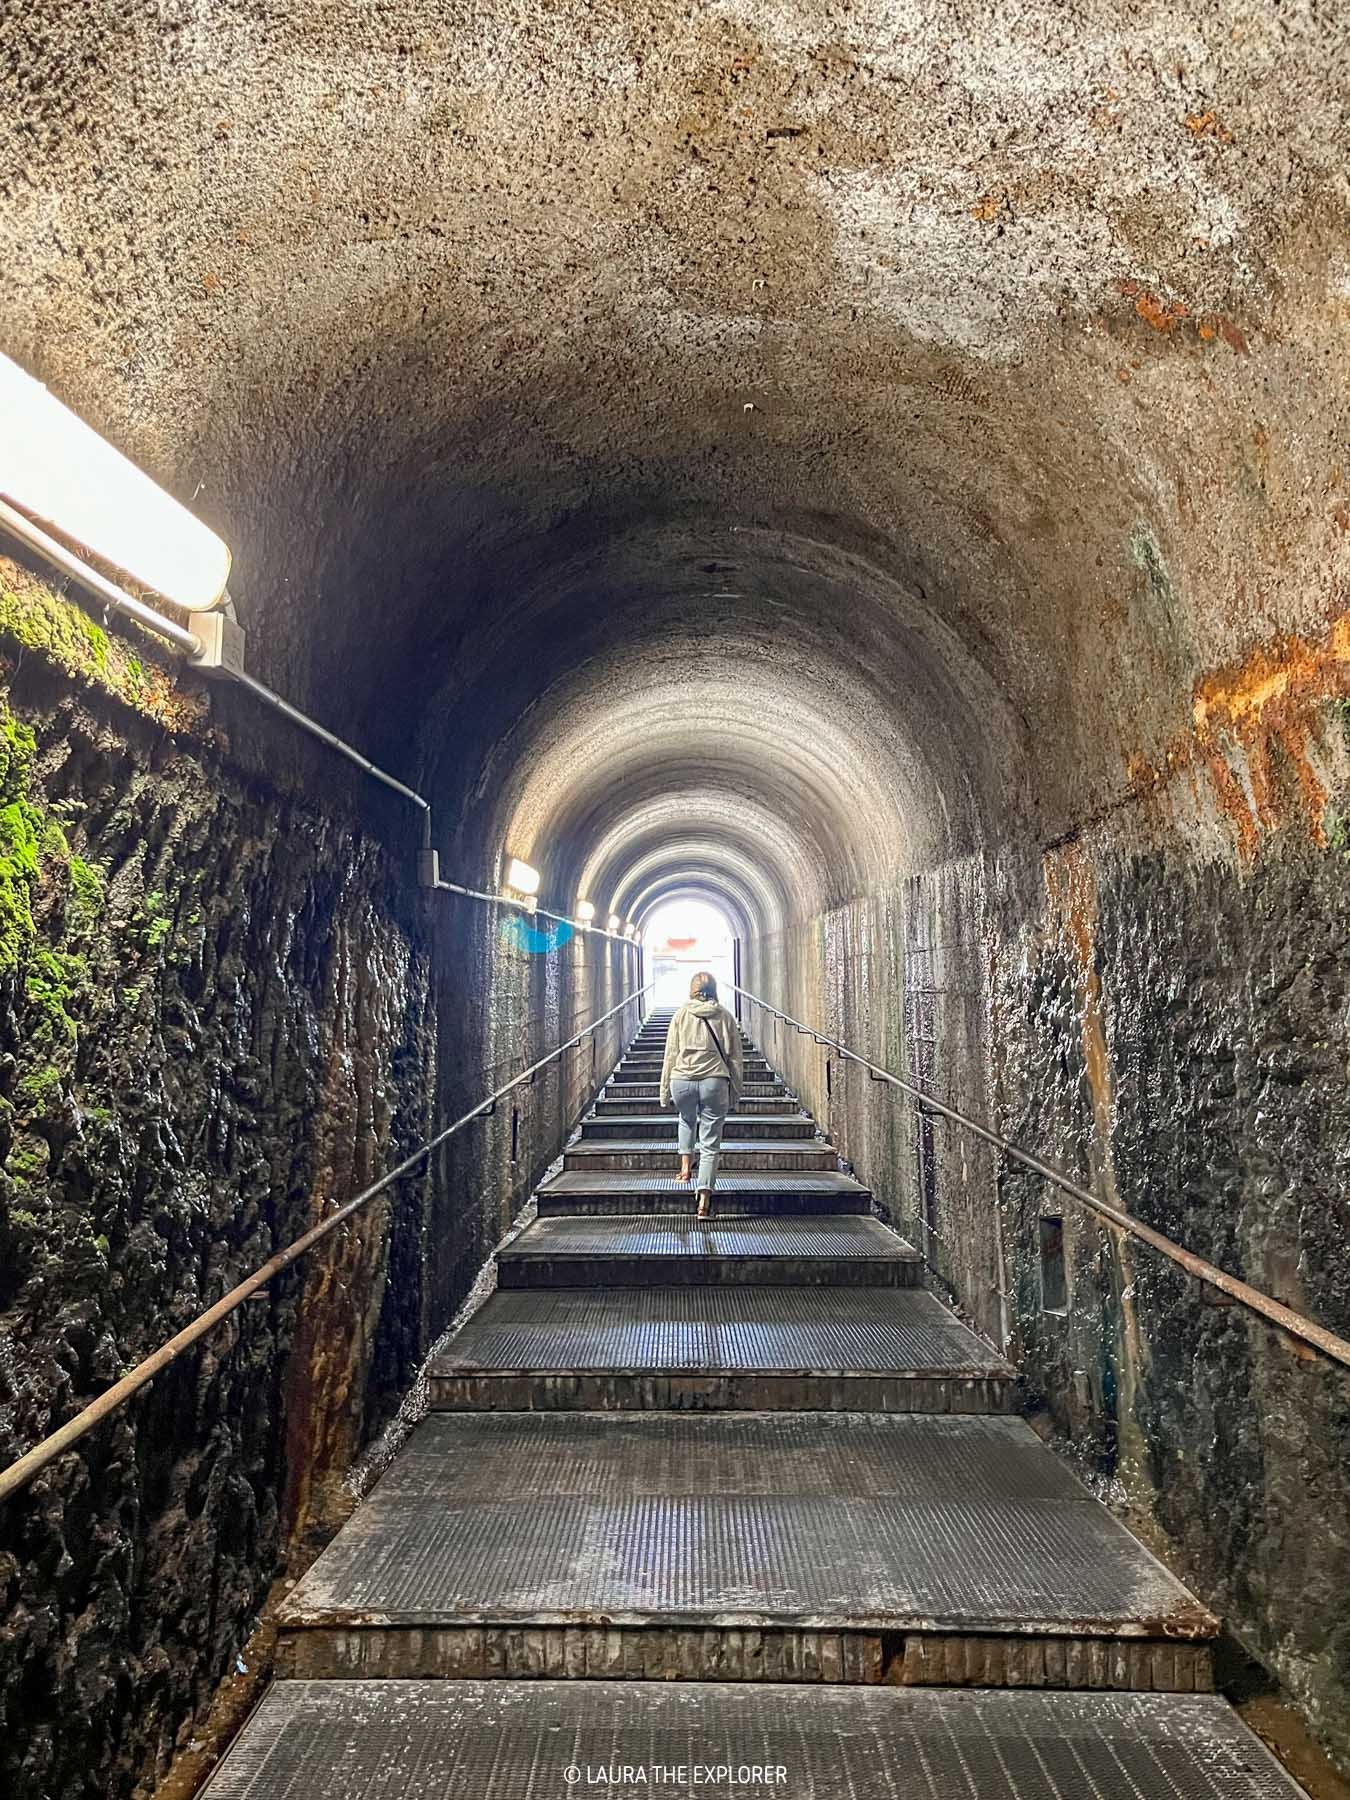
x=827 y=432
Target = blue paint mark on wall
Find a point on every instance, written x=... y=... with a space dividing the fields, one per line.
x=535 y=940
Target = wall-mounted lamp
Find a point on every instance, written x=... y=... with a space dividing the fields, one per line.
x=615 y=922
x=521 y=877
x=585 y=911
x=60 y=472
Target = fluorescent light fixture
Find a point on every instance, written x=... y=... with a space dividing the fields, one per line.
x=585 y=911
x=57 y=469
x=615 y=922
x=521 y=877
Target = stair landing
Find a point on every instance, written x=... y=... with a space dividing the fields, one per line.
x=858 y=1548
x=498 y=1740
x=713 y=1347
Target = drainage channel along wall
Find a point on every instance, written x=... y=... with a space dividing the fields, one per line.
x=216 y=1013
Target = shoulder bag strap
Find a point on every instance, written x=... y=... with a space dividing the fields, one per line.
x=717 y=1045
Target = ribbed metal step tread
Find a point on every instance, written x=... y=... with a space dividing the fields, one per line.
x=650 y=1090
x=671 y=1118
x=749 y=1192
x=709 y=1329
x=654 y=1234
x=730 y=1144
x=827 y=1520
x=623 y=1181
x=663 y=1128
x=536 y=1740
x=642 y=1105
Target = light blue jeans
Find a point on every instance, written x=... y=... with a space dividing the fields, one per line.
x=703 y=1107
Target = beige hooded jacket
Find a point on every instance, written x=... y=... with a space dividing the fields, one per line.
x=691 y=1054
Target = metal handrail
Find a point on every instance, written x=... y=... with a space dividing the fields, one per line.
x=20 y=1473
x=1296 y=1324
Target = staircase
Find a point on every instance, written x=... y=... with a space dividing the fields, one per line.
x=740 y=1496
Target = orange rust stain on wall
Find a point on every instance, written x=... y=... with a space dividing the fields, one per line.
x=1165 y=315
x=1072 y=891
x=1246 y=711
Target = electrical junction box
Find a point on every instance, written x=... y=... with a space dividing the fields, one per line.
x=220 y=644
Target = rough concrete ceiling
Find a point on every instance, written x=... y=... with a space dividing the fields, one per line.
x=880 y=390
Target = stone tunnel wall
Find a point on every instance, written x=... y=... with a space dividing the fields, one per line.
x=219 y=1009
x=1161 y=1006
x=543 y=986
x=1197 y=1011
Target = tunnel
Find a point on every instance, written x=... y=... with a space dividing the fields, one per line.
x=873 y=468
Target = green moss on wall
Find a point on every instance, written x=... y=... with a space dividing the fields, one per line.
x=35 y=617
x=20 y=828
x=39 y=871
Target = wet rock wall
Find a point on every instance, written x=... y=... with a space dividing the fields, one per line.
x=900 y=978
x=543 y=985
x=218 y=1019
x=1197 y=1015
x=213 y=1021
x=1160 y=1005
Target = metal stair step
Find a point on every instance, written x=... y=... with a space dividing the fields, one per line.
x=643 y=1105
x=743 y=1195
x=737 y=1153
x=665 y=1250
x=649 y=1090
x=663 y=1127
x=715 y=1349
x=897 y=1537
x=534 y=1739
x=650 y=1073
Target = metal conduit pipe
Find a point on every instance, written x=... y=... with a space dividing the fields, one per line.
x=334 y=742
x=183 y=640
x=20 y=1473
x=22 y=528
x=1307 y=1330
x=538 y=912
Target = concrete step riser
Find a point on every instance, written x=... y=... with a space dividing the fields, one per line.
x=705 y=1271
x=657 y=1159
x=592 y=1652
x=751 y=1390
x=665 y=1130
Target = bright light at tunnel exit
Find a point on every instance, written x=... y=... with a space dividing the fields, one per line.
x=58 y=470
x=681 y=937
